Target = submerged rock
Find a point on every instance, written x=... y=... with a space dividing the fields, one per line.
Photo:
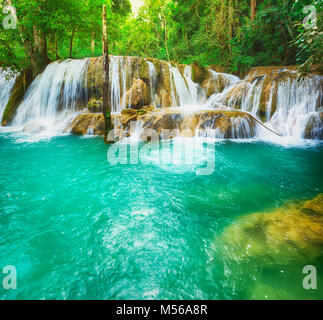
x=263 y=291
x=292 y=233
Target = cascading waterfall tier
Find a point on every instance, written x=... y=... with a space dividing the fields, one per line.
x=7 y=81
x=54 y=97
x=290 y=104
x=161 y=85
x=166 y=123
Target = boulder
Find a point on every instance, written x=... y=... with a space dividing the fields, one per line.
x=226 y=124
x=214 y=85
x=88 y=123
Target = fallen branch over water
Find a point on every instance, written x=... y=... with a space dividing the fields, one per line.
x=265 y=126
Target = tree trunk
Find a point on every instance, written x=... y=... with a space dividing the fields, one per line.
x=56 y=48
x=92 y=45
x=35 y=47
x=105 y=89
x=71 y=43
x=253 y=9
x=230 y=27
x=39 y=56
x=166 y=45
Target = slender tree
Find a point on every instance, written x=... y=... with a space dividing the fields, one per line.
x=253 y=9
x=105 y=90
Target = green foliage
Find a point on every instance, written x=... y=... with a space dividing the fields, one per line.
x=310 y=41
x=210 y=32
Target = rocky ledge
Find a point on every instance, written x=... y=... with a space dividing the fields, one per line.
x=171 y=122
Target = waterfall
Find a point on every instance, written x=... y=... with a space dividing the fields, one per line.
x=53 y=97
x=7 y=81
x=241 y=128
x=115 y=84
x=292 y=105
x=289 y=105
x=298 y=102
x=193 y=87
x=246 y=98
x=124 y=83
x=230 y=78
x=153 y=81
x=186 y=90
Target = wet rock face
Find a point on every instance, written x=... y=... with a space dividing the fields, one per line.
x=19 y=89
x=214 y=85
x=138 y=95
x=224 y=124
x=314 y=127
x=292 y=233
x=131 y=80
x=282 y=96
x=199 y=73
x=88 y=123
x=95 y=77
x=227 y=124
x=95 y=105
x=168 y=123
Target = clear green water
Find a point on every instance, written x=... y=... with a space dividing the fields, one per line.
x=76 y=227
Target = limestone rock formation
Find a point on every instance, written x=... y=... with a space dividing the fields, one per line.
x=19 y=89
x=199 y=73
x=138 y=95
x=225 y=124
x=88 y=123
x=214 y=85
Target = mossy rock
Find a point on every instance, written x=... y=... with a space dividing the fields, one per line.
x=20 y=87
x=88 y=123
x=143 y=70
x=95 y=105
x=286 y=235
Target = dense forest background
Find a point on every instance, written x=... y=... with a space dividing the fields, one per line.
x=231 y=34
